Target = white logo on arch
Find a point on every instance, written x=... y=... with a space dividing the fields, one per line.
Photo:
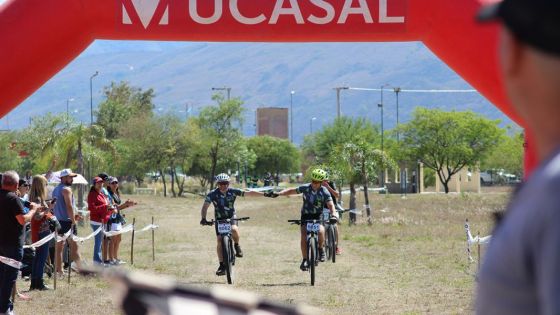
x=145 y=10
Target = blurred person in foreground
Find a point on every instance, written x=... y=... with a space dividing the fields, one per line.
x=12 y=220
x=521 y=271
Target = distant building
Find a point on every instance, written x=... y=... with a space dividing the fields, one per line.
x=272 y=121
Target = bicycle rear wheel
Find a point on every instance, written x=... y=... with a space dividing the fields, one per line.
x=328 y=241
x=311 y=257
x=334 y=241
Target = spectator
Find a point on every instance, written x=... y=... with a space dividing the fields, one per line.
x=12 y=220
x=64 y=212
x=40 y=228
x=99 y=211
x=106 y=240
x=116 y=220
x=520 y=273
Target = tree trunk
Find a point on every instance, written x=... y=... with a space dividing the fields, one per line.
x=163 y=181
x=80 y=171
x=366 y=193
x=214 y=157
x=180 y=185
x=172 y=173
x=366 y=199
x=352 y=203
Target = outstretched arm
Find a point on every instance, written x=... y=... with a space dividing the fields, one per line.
x=287 y=192
x=252 y=193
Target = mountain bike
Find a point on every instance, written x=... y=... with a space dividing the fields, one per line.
x=224 y=230
x=312 y=240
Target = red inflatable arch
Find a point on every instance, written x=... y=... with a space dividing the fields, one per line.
x=39 y=37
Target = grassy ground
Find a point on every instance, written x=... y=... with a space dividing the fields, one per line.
x=412 y=260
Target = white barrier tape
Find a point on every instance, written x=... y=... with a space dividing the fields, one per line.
x=82 y=239
x=64 y=237
x=11 y=262
x=147 y=228
x=125 y=229
x=40 y=242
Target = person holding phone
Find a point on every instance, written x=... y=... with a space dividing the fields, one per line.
x=41 y=224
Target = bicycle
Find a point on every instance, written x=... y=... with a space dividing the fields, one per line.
x=228 y=255
x=312 y=240
x=331 y=226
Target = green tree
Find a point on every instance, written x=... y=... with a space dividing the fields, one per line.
x=362 y=160
x=507 y=155
x=321 y=149
x=448 y=141
x=38 y=138
x=123 y=102
x=220 y=133
x=273 y=155
x=9 y=159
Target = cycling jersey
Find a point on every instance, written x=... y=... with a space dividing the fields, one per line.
x=223 y=203
x=313 y=201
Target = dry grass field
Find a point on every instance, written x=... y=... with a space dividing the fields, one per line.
x=412 y=260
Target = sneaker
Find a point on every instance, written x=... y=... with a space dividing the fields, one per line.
x=221 y=270
x=23 y=297
x=304 y=265
x=74 y=267
x=238 y=251
x=120 y=262
x=60 y=275
x=338 y=250
x=322 y=256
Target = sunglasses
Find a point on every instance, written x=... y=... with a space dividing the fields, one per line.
x=316 y=182
x=223 y=183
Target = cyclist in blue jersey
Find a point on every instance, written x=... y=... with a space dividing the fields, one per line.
x=223 y=199
x=315 y=198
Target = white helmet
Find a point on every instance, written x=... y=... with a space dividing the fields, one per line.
x=222 y=177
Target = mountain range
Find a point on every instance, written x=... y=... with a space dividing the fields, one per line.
x=262 y=75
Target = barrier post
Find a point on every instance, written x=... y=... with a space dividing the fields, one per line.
x=132 y=242
x=69 y=258
x=153 y=243
x=55 y=258
x=478 y=249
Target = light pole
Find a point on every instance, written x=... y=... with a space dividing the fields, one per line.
x=292 y=116
x=311 y=124
x=338 y=98
x=90 y=162
x=68 y=111
x=91 y=97
x=225 y=88
x=397 y=91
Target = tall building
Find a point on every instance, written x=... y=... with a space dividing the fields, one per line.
x=272 y=121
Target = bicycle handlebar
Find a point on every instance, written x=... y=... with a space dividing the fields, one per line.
x=298 y=222
x=211 y=222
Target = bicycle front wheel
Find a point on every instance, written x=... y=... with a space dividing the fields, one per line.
x=226 y=252
x=312 y=257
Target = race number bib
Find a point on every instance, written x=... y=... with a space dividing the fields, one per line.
x=326 y=214
x=224 y=228
x=313 y=227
